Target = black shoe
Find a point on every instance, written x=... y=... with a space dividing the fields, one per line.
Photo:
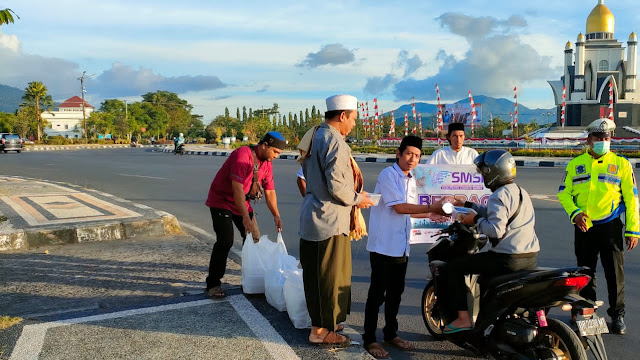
x=618 y=326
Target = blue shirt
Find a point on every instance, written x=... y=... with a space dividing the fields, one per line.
x=389 y=231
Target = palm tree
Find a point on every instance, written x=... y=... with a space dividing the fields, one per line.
x=6 y=17
x=35 y=95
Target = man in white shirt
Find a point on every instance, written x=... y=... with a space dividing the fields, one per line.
x=388 y=245
x=455 y=153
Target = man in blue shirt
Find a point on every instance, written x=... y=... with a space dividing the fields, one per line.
x=388 y=245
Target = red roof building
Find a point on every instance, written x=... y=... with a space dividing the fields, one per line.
x=74 y=103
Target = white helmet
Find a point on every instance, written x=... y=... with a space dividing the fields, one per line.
x=181 y=135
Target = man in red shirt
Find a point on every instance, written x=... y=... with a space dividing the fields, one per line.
x=233 y=186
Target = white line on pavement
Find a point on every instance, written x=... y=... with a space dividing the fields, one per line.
x=32 y=338
x=146 y=177
x=271 y=339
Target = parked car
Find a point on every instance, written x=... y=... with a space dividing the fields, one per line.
x=10 y=142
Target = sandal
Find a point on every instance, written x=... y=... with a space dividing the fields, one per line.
x=332 y=338
x=401 y=344
x=339 y=328
x=216 y=292
x=377 y=351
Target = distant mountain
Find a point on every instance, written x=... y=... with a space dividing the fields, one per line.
x=499 y=107
x=10 y=98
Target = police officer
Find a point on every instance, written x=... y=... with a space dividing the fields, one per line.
x=598 y=192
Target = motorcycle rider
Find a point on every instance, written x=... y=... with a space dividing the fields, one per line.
x=178 y=142
x=508 y=220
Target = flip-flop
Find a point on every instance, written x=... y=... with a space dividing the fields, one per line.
x=449 y=329
x=333 y=338
x=216 y=292
x=401 y=344
x=377 y=348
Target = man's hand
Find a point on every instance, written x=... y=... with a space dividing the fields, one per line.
x=631 y=242
x=436 y=208
x=581 y=221
x=250 y=228
x=467 y=219
x=366 y=202
x=278 y=222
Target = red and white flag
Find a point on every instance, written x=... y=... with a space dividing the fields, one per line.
x=366 y=118
x=420 y=124
x=439 y=121
x=515 y=108
x=406 y=124
x=392 y=128
x=473 y=113
x=375 y=108
x=564 y=105
x=611 y=100
x=413 y=112
x=491 y=122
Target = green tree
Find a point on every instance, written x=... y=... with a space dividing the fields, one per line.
x=25 y=122
x=244 y=114
x=238 y=113
x=6 y=16
x=7 y=121
x=226 y=112
x=36 y=96
x=100 y=123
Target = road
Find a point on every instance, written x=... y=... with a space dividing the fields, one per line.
x=179 y=185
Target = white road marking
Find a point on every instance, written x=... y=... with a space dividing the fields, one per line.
x=30 y=343
x=270 y=338
x=146 y=177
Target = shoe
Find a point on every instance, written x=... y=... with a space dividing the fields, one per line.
x=452 y=329
x=618 y=326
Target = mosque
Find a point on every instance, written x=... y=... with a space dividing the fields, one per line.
x=599 y=60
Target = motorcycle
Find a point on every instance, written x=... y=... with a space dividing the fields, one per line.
x=133 y=144
x=510 y=312
x=180 y=149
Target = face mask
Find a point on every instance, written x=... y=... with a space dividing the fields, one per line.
x=601 y=147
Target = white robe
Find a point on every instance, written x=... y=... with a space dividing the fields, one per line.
x=446 y=155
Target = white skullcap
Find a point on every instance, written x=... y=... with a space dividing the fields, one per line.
x=603 y=125
x=342 y=102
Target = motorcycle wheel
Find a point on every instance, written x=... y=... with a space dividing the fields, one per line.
x=430 y=314
x=561 y=340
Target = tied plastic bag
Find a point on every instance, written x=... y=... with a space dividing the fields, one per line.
x=295 y=300
x=255 y=257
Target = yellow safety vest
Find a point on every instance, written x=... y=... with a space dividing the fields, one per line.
x=603 y=189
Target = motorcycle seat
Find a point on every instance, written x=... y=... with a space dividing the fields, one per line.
x=488 y=282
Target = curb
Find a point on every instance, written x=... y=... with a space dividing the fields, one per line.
x=165 y=224
x=372 y=159
x=82 y=147
x=160 y=224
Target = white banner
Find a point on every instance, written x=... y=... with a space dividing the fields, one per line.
x=438 y=181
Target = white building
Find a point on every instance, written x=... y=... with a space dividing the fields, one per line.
x=67 y=120
x=598 y=62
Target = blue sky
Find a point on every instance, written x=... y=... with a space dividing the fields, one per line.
x=295 y=53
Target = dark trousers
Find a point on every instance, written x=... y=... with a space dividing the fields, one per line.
x=486 y=263
x=606 y=240
x=326 y=274
x=387 y=286
x=223 y=221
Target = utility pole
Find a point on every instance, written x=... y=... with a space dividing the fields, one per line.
x=84 y=114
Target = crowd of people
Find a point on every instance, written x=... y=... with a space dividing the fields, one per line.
x=598 y=192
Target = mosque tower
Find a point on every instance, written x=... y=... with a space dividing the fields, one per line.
x=599 y=59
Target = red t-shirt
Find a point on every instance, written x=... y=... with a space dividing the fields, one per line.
x=238 y=168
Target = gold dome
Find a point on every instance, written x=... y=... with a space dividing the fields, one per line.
x=580 y=37
x=600 y=19
x=568 y=45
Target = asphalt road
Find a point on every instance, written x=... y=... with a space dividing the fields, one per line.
x=179 y=185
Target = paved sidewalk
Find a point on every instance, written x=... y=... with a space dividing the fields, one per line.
x=140 y=297
x=40 y=212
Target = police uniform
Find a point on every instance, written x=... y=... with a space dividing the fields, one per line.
x=604 y=189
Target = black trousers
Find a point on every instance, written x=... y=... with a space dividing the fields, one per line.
x=486 y=263
x=387 y=286
x=608 y=241
x=223 y=221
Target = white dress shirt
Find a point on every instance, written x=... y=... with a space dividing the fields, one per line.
x=389 y=231
x=447 y=155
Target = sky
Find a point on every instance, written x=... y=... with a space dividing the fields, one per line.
x=218 y=54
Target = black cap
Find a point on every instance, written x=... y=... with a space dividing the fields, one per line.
x=411 y=141
x=275 y=139
x=455 y=127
